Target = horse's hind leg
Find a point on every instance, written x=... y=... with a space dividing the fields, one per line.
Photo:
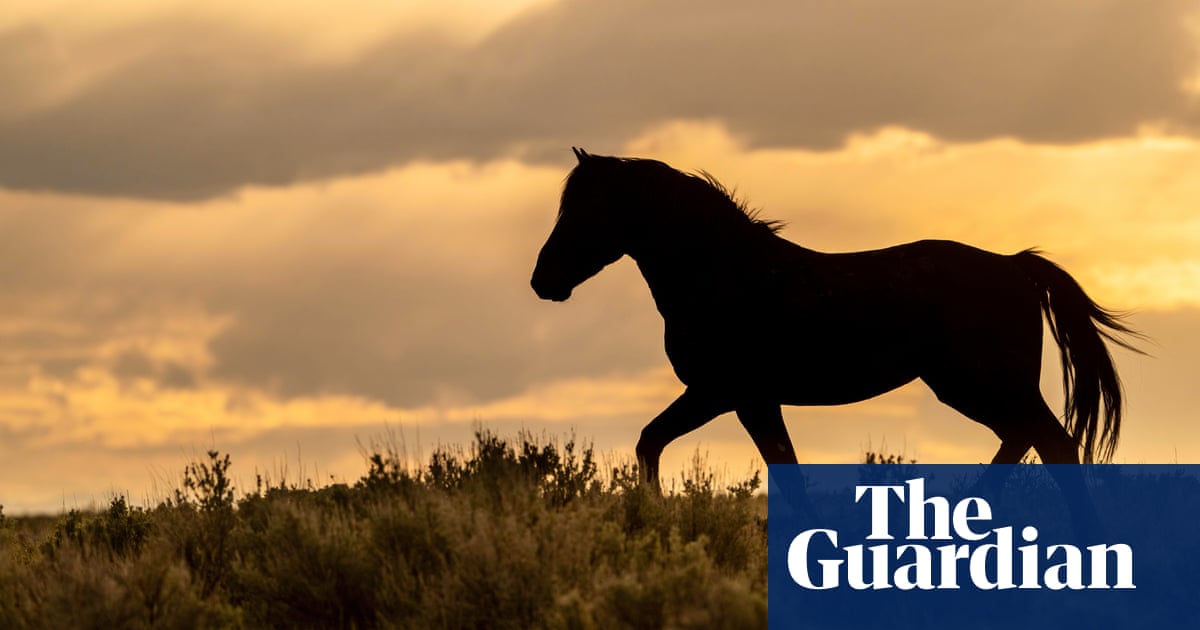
x=689 y=412
x=1055 y=446
x=1012 y=449
x=1022 y=419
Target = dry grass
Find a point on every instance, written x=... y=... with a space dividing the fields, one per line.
x=520 y=534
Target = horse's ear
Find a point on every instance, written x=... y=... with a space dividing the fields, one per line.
x=580 y=154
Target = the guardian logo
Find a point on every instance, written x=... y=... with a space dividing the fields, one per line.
x=974 y=554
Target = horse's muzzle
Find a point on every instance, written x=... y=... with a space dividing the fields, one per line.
x=545 y=291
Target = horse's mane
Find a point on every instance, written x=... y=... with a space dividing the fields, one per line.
x=730 y=196
x=707 y=193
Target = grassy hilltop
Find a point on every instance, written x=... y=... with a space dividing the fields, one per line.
x=505 y=534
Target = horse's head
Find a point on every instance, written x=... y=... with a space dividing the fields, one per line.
x=589 y=234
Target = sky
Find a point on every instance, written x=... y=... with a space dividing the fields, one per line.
x=291 y=229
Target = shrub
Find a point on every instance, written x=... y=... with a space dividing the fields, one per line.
x=504 y=533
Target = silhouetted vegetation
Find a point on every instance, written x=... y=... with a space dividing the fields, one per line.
x=522 y=534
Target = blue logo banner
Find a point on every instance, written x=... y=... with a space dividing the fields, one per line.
x=954 y=546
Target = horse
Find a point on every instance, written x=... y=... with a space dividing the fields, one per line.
x=754 y=321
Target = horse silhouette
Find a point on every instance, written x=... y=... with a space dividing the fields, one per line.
x=754 y=321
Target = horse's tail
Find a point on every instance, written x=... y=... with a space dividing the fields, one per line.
x=1080 y=326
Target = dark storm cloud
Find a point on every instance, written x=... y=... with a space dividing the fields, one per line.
x=204 y=108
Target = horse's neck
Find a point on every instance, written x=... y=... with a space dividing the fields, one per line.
x=683 y=273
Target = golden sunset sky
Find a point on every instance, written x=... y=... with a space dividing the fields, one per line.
x=280 y=228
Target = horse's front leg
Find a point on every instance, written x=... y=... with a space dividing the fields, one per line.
x=764 y=423
x=689 y=412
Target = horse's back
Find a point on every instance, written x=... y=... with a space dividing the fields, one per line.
x=970 y=309
x=936 y=274
x=838 y=327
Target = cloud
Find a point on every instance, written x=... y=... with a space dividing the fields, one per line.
x=183 y=108
x=407 y=288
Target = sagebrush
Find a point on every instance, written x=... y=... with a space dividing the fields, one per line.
x=523 y=533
